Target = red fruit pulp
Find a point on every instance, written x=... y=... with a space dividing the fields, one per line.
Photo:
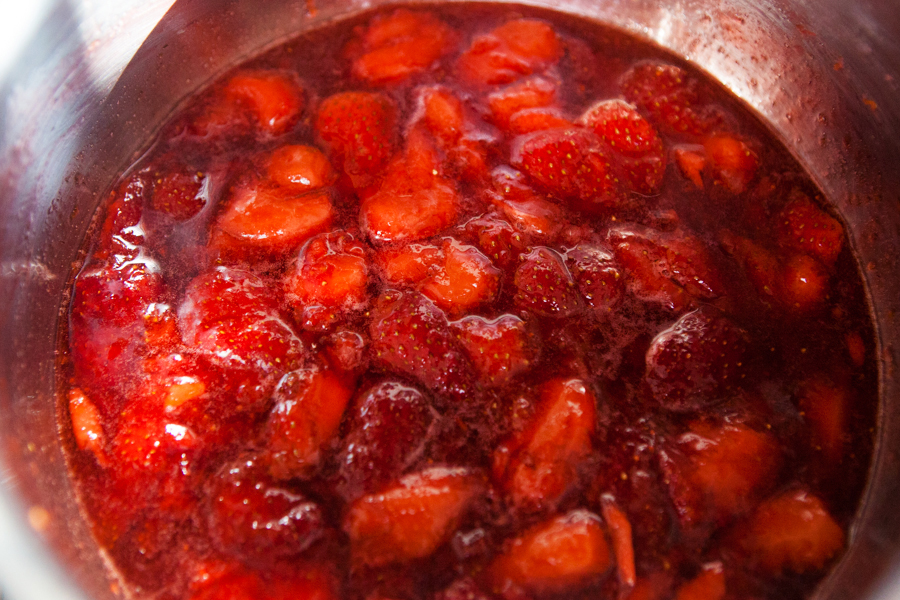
x=492 y=304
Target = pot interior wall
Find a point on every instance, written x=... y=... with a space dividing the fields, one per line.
x=820 y=73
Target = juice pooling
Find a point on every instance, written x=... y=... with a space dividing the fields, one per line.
x=467 y=303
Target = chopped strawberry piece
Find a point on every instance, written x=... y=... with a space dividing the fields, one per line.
x=513 y=50
x=691 y=161
x=732 y=160
x=697 y=360
x=717 y=472
x=529 y=213
x=825 y=406
x=121 y=237
x=570 y=164
x=309 y=406
x=229 y=317
x=412 y=518
x=303 y=582
x=541 y=463
x=708 y=585
x=499 y=349
x=641 y=156
x=804 y=283
x=465 y=280
x=805 y=227
x=443 y=115
x=761 y=266
x=358 y=129
x=410 y=264
x=401 y=44
x=330 y=278
x=271 y=221
x=299 y=168
x=253 y=517
x=537 y=119
x=388 y=431
x=497 y=239
x=792 y=531
x=87 y=425
x=414 y=201
x=563 y=553
x=180 y=193
x=537 y=92
x=411 y=336
x=669 y=96
x=346 y=351
x=544 y=285
x=597 y=276
x=620 y=534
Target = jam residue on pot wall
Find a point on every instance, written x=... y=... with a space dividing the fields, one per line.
x=467 y=303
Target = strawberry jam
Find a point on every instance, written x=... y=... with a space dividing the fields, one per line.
x=467 y=303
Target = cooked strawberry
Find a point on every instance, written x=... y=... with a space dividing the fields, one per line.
x=669 y=96
x=536 y=92
x=260 y=219
x=544 y=285
x=304 y=581
x=695 y=361
x=665 y=268
x=401 y=44
x=358 y=129
x=570 y=164
x=330 y=278
x=299 y=168
x=732 y=160
x=515 y=49
x=346 y=351
x=122 y=235
x=804 y=283
x=309 y=406
x=411 y=518
x=87 y=425
x=499 y=349
x=597 y=276
x=541 y=463
x=716 y=472
x=410 y=264
x=229 y=317
x=563 y=553
x=411 y=336
x=691 y=161
x=641 y=156
x=620 y=534
x=270 y=102
x=465 y=280
x=180 y=193
x=389 y=427
x=802 y=225
x=708 y=585
x=825 y=405
x=529 y=213
x=537 y=119
x=414 y=201
x=792 y=531
x=443 y=115
x=497 y=239
x=253 y=517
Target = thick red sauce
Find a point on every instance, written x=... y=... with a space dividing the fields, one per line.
x=468 y=304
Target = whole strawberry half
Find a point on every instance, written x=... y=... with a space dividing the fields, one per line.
x=544 y=285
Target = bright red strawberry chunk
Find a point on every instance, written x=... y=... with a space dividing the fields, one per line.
x=390 y=425
x=697 y=360
x=563 y=553
x=530 y=213
x=253 y=517
x=597 y=276
x=499 y=349
x=464 y=281
x=569 y=164
x=410 y=264
x=497 y=239
x=181 y=192
x=670 y=97
x=299 y=168
x=413 y=517
x=401 y=44
x=302 y=581
x=513 y=50
x=539 y=465
x=641 y=157
x=358 y=128
x=537 y=92
x=544 y=285
x=309 y=406
x=330 y=278
x=411 y=336
x=805 y=227
x=87 y=425
x=732 y=160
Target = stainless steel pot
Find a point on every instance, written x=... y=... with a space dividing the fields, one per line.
x=89 y=92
